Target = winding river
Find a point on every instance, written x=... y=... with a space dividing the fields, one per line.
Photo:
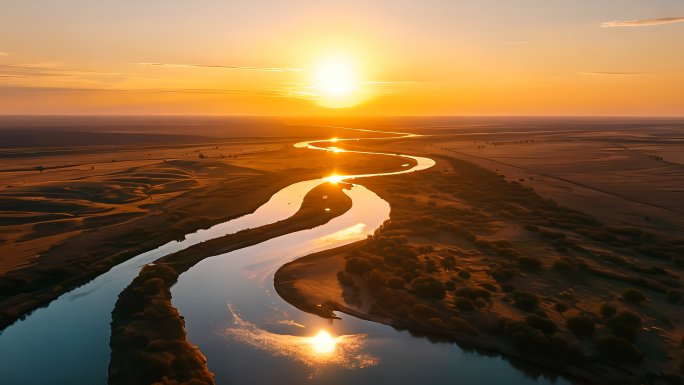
x=247 y=332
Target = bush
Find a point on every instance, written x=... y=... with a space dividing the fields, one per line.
x=483 y=243
x=531 y=228
x=345 y=279
x=465 y=274
x=396 y=283
x=678 y=261
x=499 y=276
x=519 y=294
x=633 y=295
x=618 y=349
x=507 y=288
x=462 y=326
x=529 y=261
x=581 y=326
x=375 y=279
x=562 y=266
x=502 y=243
x=481 y=302
x=357 y=265
x=424 y=311
x=546 y=233
x=607 y=310
x=429 y=287
x=674 y=295
x=466 y=292
x=626 y=317
x=543 y=324
x=464 y=304
x=625 y=331
x=562 y=307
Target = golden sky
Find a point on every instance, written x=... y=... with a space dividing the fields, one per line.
x=304 y=57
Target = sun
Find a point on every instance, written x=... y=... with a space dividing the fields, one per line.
x=335 y=80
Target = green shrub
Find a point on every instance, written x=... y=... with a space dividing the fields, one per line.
x=451 y=285
x=507 y=288
x=526 y=260
x=561 y=307
x=543 y=324
x=626 y=317
x=480 y=302
x=424 y=311
x=464 y=304
x=633 y=295
x=482 y=293
x=358 y=266
x=674 y=295
x=462 y=326
x=581 y=326
x=562 y=266
x=607 y=310
x=625 y=331
x=618 y=349
x=465 y=274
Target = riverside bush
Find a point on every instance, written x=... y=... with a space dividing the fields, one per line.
x=543 y=324
x=528 y=261
x=424 y=311
x=619 y=349
x=462 y=326
x=357 y=265
x=633 y=295
x=464 y=304
x=562 y=266
x=581 y=326
x=626 y=317
x=607 y=310
x=674 y=295
x=561 y=307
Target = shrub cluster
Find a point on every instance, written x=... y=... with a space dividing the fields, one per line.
x=618 y=349
x=581 y=326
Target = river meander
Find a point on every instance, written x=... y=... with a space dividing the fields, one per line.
x=248 y=334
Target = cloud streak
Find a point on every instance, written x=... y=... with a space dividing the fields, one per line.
x=613 y=73
x=641 y=23
x=268 y=69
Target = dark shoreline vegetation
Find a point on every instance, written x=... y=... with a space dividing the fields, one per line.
x=600 y=303
x=148 y=339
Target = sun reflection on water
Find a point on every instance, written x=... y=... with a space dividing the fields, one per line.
x=321 y=350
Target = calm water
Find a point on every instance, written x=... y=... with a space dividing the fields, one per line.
x=248 y=334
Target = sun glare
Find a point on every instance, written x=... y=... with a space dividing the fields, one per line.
x=335 y=178
x=335 y=80
x=323 y=343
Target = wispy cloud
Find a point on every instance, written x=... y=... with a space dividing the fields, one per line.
x=4 y=53
x=397 y=82
x=269 y=69
x=613 y=73
x=641 y=23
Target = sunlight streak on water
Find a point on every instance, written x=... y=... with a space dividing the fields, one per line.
x=319 y=351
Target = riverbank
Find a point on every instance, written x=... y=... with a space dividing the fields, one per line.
x=148 y=337
x=61 y=228
x=472 y=257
